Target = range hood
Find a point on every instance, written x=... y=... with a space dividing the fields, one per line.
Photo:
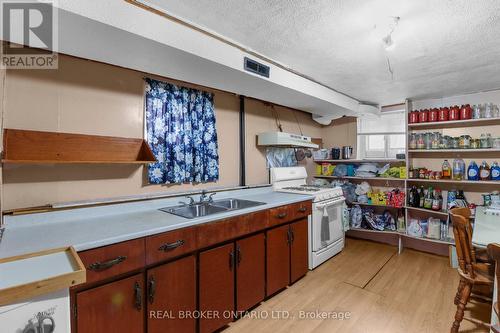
x=282 y=139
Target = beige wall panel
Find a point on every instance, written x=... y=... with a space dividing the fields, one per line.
x=94 y=98
x=341 y=132
x=259 y=118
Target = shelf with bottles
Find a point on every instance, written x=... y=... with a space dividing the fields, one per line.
x=456 y=116
x=437 y=141
x=457 y=173
x=359 y=161
x=455 y=123
x=361 y=178
x=458 y=151
x=374 y=205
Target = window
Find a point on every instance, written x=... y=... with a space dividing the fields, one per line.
x=381 y=136
x=181 y=130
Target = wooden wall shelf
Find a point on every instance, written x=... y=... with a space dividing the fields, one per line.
x=24 y=146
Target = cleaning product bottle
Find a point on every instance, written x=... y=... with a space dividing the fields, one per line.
x=484 y=171
x=495 y=171
x=473 y=171
x=458 y=172
x=421 y=197
x=446 y=169
x=428 y=199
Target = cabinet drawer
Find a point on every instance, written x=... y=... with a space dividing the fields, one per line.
x=301 y=209
x=289 y=213
x=253 y=222
x=218 y=231
x=111 y=260
x=170 y=244
x=280 y=215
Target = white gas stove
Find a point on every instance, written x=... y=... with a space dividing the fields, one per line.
x=326 y=230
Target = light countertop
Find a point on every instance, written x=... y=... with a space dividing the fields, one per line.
x=486 y=228
x=87 y=228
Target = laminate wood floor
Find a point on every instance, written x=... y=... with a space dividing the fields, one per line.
x=382 y=291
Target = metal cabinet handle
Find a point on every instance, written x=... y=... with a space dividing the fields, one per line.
x=151 y=289
x=292 y=236
x=138 y=296
x=170 y=246
x=288 y=237
x=231 y=260
x=100 y=266
x=238 y=254
x=281 y=215
x=302 y=209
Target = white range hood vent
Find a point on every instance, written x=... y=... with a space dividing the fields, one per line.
x=282 y=139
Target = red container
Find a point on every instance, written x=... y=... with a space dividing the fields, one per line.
x=423 y=116
x=433 y=115
x=466 y=112
x=443 y=114
x=413 y=117
x=455 y=113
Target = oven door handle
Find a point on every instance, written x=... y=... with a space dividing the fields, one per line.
x=329 y=203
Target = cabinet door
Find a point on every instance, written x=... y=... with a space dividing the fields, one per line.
x=216 y=287
x=299 y=250
x=278 y=259
x=171 y=295
x=250 y=272
x=113 y=307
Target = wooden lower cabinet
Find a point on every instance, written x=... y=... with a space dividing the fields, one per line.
x=299 y=251
x=250 y=271
x=216 y=287
x=278 y=259
x=114 y=307
x=171 y=296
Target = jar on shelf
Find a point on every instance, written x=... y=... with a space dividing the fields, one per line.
x=412 y=141
x=475 y=143
x=413 y=117
x=465 y=112
x=423 y=116
x=476 y=111
x=443 y=114
x=464 y=141
x=495 y=112
x=486 y=141
x=496 y=143
x=420 y=141
x=455 y=143
x=445 y=142
x=488 y=110
x=433 y=115
x=428 y=140
x=435 y=140
x=454 y=113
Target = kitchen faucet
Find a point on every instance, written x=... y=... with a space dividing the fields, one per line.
x=204 y=198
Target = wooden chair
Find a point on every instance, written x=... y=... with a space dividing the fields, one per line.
x=494 y=252
x=479 y=254
x=472 y=273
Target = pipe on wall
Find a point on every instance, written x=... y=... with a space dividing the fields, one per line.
x=242 y=142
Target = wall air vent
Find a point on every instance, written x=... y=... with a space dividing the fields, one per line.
x=256 y=67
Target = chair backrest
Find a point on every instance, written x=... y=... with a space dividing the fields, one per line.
x=494 y=253
x=463 y=242
x=466 y=213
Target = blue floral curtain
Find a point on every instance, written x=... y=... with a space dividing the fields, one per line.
x=180 y=126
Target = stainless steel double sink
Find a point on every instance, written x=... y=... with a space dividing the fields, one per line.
x=209 y=208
